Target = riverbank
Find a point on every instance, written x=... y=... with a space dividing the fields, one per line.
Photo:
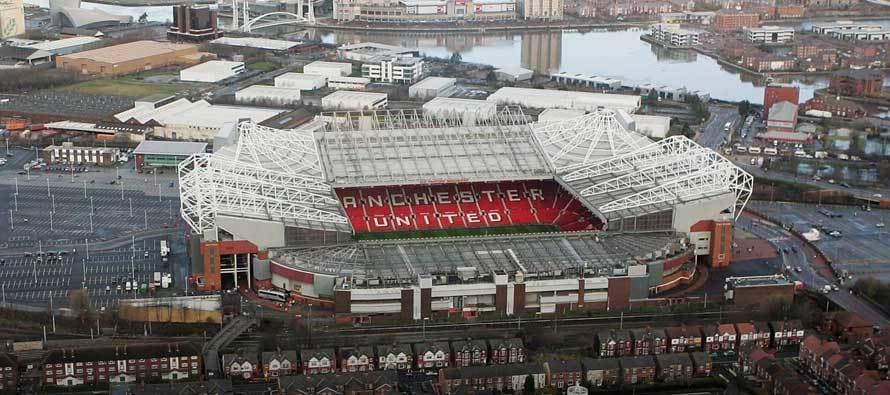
x=517 y=26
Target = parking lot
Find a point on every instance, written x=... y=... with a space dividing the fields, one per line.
x=863 y=245
x=49 y=217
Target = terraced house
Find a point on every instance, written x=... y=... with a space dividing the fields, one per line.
x=122 y=364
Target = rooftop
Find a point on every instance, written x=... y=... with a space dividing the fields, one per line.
x=180 y=148
x=129 y=52
x=199 y=113
x=256 y=42
x=547 y=98
x=56 y=45
x=541 y=256
x=434 y=83
x=213 y=66
x=783 y=111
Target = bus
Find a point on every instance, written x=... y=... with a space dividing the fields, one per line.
x=164 y=250
x=726 y=127
x=754 y=150
x=277 y=296
x=770 y=151
x=741 y=149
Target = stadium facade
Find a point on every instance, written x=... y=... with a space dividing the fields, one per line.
x=536 y=216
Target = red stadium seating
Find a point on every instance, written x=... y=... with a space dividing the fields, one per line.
x=471 y=205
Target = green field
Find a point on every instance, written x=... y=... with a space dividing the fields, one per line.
x=122 y=87
x=262 y=66
x=423 y=234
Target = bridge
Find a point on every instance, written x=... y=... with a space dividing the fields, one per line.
x=240 y=10
x=225 y=336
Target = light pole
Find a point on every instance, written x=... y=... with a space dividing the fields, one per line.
x=145 y=213
x=91 y=206
x=122 y=190
x=87 y=240
x=11 y=225
x=47 y=186
x=15 y=198
x=131 y=207
x=54 y=203
x=84 y=189
x=16 y=185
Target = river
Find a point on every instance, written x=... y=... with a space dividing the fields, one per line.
x=617 y=54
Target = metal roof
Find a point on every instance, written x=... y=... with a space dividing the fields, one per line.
x=179 y=148
x=429 y=150
x=56 y=45
x=539 y=256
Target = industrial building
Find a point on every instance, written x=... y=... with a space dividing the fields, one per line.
x=303 y=82
x=212 y=71
x=775 y=93
x=675 y=36
x=351 y=100
x=629 y=215
x=154 y=154
x=514 y=74
x=431 y=87
x=69 y=45
x=782 y=117
x=265 y=94
x=365 y=51
x=393 y=69
x=68 y=153
x=857 y=83
x=348 y=83
x=654 y=126
x=546 y=98
x=590 y=81
x=849 y=30
x=193 y=24
x=258 y=42
x=769 y=34
x=467 y=110
x=12 y=18
x=185 y=120
x=406 y=11
x=130 y=58
x=328 y=69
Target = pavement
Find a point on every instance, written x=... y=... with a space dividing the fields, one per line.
x=793 y=253
x=713 y=134
x=108 y=221
x=861 y=193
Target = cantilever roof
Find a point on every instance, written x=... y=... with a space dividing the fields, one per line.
x=494 y=150
x=547 y=255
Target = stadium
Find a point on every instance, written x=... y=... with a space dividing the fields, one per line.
x=406 y=214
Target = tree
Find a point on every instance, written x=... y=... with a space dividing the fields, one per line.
x=529 y=386
x=492 y=77
x=143 y=18
x=80 y=304
x=686 y=130
x=744 y=108
x=456 y=58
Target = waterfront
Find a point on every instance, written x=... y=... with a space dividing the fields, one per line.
x=617 y=54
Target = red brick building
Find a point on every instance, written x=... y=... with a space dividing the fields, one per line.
x=857 y=83
x=469 y=353
x=775 y=93
x=638 y=370
x=837 y=107
x=100 y=366
x=563 y=374
x=319 y=361
x=684 y=338
x=673 y=368
x=9 y=373
x=504 y=351
x=731 y=21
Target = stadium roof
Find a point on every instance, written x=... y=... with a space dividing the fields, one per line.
x=288 y=175
x=495 y=150
x=540 y=256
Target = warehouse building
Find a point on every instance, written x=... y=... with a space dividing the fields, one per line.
x=348 y=83
x=301 y=81
x=351 y=100
x=69 y=45
x=514 y=74
x=365 y=51
x=393 y=69
x=545 y=98
x=165 y=153
x=431 y=87
x=328 y=69
x=67 y=153
x=265 y=94
x=258 y=43
x=130 y=58
x=212 y=71
x=467 y=110
x=186 y=120
x=655 y=126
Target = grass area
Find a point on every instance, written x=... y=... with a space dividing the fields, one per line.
x=263 y=66
x=422 y=234
x=122 y=87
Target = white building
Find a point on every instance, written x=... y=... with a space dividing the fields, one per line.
x=467 y=110
x=265 y=94
x=559 y=114
x=769 y=34
x=365 y=51
x=351 y=100
x=431 y=87
x=514 y=74
x=328 y=69
x=542 y=9
x=303 y=82
x=212 y=71
x=348 y=83
x=393 y=70
x=655 y=126
x=186 y=120
x=546 y=98
x=256 y=42
x=674 y=35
